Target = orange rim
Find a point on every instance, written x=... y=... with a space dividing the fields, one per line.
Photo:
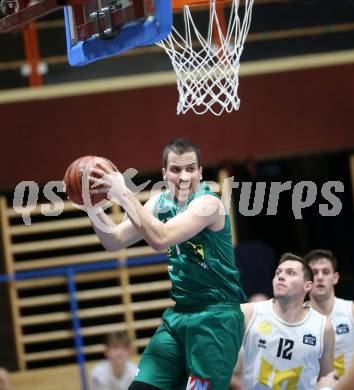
x=178 y=4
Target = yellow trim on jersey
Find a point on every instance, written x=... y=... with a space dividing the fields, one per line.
x=339 y=364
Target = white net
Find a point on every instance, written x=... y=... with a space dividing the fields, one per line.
x=207 y=67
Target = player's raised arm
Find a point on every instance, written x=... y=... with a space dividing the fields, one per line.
x=247 y=310
x=125 y=233
x=206 y=211
x=78 y=181
x=203 y=212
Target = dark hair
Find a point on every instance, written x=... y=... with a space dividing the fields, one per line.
x=180 y=146
x=118 y=338
x=308 y=274
x=317 y=254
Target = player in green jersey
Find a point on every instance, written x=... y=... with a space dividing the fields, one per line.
x=197 y=344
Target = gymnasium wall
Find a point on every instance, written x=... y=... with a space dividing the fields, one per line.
x=285 y=113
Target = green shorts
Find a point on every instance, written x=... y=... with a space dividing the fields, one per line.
x=195 y=346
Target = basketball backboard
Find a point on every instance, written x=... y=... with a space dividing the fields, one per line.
x=95 y=29
x=103 y=28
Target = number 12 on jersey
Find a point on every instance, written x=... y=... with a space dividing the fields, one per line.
x=285 y=348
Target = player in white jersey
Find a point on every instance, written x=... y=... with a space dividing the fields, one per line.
x=339 y=311
x=286 y=345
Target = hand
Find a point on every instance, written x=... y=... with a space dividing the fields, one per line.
x=88 y=206
x=112 y=183
x=330 y=380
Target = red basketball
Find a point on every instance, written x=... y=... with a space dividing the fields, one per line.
x=73 y=178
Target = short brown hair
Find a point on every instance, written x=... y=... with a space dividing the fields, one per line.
x=317 y=254
x=180 y=146
x=308 y=274
x=118 y=338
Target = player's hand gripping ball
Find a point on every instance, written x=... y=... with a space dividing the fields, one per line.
x=74 y=178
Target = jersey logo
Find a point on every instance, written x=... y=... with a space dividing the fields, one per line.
x=276 y=379
x=264 y=327
x=197 y=249
x=196 y=383
x=342 y=329
x=309 y=339
x=262 y=343
x=196 y=252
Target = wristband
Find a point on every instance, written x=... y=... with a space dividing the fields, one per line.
x=326 y=388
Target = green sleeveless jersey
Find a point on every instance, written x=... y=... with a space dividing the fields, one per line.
x=202 y=270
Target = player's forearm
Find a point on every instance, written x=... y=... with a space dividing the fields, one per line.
x=145 y=225
x=110 y=241
x=153 y=230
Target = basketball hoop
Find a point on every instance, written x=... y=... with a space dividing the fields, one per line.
x=207 y=67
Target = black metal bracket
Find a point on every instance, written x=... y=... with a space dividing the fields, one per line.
x=104 y=26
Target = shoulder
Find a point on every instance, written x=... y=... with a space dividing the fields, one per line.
x=342 y=302
x=344 y=306
x=207 y=203
x=348 y=305
x=211 y=209
x=319 y=318
x=351 y=311
x=248 y=309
